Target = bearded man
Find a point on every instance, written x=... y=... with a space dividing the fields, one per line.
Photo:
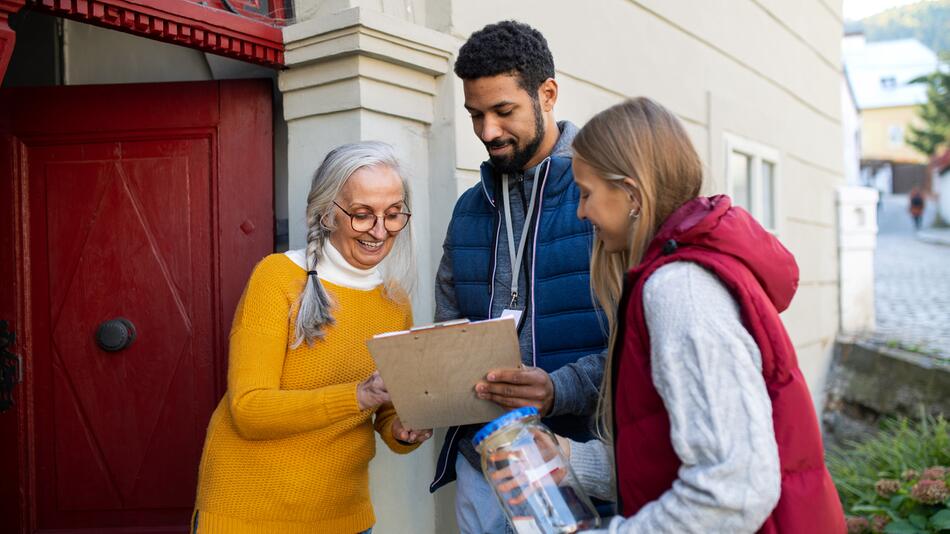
x=515 y=247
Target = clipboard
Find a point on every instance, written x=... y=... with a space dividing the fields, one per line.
x=431 y=371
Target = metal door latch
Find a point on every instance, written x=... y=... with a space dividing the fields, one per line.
x=11 y=367
x=115 y=335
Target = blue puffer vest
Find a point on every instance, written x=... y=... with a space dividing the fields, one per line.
x=566 y=325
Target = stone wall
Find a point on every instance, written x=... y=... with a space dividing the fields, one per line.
x=869 y=382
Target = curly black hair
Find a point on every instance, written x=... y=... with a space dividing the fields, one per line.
x=503 y=47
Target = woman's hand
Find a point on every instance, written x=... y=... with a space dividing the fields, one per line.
x=407 y=435
x=514 y=480
x=371 y=392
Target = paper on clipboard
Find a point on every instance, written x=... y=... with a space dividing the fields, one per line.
x=431 y=371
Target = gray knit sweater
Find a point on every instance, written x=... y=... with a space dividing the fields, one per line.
x=708 y=371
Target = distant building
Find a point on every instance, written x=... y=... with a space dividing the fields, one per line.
x=879 y=73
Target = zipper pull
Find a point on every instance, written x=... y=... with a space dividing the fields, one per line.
x=514 y=299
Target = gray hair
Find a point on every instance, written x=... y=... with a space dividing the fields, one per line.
x=314 y=312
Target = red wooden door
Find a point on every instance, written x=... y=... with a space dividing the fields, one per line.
x=148 y=203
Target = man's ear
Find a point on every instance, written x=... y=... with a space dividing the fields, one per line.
x=547 y=95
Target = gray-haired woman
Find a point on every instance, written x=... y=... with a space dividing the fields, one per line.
x=288 y=447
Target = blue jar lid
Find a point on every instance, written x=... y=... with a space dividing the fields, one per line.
x=502 y=421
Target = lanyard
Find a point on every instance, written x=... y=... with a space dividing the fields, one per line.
x=516 y=257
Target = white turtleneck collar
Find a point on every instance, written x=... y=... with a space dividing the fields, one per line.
x=333 y=268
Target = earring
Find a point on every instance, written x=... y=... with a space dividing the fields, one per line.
x=634 y=214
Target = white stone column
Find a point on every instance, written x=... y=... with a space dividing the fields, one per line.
x=857 y=239
x=359 y=74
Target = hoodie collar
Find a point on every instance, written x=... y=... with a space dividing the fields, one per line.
x=563 y=147
x=715 y=224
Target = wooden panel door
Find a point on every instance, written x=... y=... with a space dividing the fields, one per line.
x=147 y=206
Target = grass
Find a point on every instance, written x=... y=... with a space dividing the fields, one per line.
x=902 y=444
x=886 y=483
x=916 y=348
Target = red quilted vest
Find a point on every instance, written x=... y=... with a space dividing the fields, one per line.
x=762 y=277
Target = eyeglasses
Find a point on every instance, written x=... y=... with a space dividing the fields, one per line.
x=364 y=222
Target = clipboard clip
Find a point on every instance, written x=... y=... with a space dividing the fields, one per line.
x=453 y=322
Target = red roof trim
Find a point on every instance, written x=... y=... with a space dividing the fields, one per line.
x=941 y=161
x=179 y=22
x=7 y=36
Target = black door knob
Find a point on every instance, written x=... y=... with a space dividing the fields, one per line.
x=115 y=335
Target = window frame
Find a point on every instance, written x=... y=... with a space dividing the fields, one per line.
x=898 y=140
x=758 y=153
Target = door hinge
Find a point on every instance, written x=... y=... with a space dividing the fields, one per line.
x=11 y=367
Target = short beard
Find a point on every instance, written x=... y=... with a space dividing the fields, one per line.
x=519 y=158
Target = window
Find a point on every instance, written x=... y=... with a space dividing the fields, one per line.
x=752 y=179
x=895 y=135
x=767 y=198
x=888 y=82
x=740 y=175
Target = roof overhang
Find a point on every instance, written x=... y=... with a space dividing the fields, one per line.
x=204 y=27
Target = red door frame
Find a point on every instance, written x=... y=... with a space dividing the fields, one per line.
x=12 y=309
x=243 y=233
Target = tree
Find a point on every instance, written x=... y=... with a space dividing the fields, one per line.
x=934 y=113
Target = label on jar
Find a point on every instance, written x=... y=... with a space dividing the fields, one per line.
x=525 y=525
x=538 y=473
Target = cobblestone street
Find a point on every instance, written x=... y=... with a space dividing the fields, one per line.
x=912 y=283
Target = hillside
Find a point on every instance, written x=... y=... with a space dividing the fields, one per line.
x=928 y=22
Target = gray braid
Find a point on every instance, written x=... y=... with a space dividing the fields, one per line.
x=315 y=303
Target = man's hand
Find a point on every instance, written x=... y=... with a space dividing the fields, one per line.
x=407 y=435
x=515 y=388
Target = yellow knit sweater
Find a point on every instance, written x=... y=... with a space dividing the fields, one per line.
x=288 y=449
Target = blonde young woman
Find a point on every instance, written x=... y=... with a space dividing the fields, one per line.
x=710 y=421
x=288 y=447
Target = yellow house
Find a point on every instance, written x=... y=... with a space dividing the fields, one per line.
x=883 y=131
x=879 y=74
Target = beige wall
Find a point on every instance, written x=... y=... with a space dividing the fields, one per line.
x=876 y=139
x=765 y=71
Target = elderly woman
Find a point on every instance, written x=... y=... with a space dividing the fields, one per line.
x=288 y=447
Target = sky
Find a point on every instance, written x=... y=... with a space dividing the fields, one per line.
x=858 y=9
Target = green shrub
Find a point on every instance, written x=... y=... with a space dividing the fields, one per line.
x=896 y=482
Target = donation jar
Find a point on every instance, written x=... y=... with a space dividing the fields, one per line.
x=534 y=483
